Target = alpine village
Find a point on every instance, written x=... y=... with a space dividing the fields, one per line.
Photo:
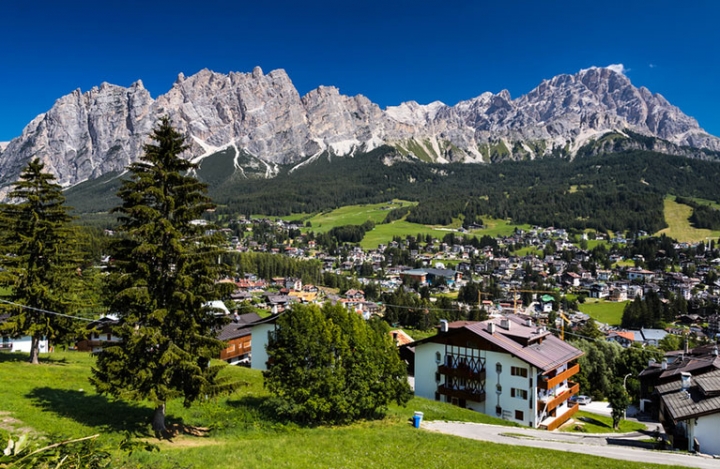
x=231 y=273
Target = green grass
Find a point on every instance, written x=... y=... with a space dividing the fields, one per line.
x=608 y=312
x=349 y=215
x=384 y=233
x=679 y=227
x=55 y=398
x=595 y=423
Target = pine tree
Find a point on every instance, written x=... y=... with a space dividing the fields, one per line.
x=37 y=259
x=162 y=276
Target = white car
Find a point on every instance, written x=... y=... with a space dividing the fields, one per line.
x=582 y=400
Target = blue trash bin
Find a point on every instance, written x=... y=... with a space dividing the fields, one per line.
x=417 y=419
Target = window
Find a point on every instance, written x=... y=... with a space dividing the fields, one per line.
x=498 y=410
x=437 y=357
x=519 y=371
x=498 y=388
x=437 y=377
x=519 y=415
x=519 y=393
x=498 y=367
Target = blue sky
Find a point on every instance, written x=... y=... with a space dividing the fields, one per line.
x=390 y=51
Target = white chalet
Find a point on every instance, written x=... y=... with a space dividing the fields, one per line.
x=505 y=367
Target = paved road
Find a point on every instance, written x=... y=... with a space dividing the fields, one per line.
x=572 y=442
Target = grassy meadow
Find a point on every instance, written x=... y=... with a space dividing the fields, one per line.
x=679 y=227
x=608 y=312
x=384 y=233
x=56 y=399
x=676 y=216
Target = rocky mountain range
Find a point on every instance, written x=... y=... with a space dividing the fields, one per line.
x=87 y=135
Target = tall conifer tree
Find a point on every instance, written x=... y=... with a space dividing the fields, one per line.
x=37 y=258
x=163 y=274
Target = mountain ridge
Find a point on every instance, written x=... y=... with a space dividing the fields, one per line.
x=86 y=135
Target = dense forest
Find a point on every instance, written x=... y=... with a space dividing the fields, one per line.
x=616 y=192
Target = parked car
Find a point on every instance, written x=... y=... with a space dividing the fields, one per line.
x=582 y=400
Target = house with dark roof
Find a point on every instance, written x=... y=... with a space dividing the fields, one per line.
x=683 y=392
x=506 y=367
x=238 y=335
x=99 y=334
x=690 y=411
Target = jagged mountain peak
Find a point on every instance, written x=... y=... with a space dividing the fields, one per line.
x=86 y=135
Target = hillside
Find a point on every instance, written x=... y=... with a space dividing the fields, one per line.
x=616 y=192
x=55 y=398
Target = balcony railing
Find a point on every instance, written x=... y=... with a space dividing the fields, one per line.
x=552 y=402
x=467 y=394
x=557 y=421
x=462 y=372
x=557 y=379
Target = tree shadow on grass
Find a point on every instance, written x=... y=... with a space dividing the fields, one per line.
x=92 y=410
x=23 y=357
x=265 y=411
x=256 y=408
x=594 y=422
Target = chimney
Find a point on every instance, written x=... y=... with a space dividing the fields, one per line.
x=529 y=323
x=664 y=363
x=443 y=325
x=491 y=327
x=651 y=362
x=686 y=380
x=687 y=345
x=505 y=323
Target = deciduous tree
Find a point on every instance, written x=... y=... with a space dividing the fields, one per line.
x=163 y=274
x=330 y=366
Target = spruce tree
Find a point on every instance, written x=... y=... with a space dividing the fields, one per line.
x=163 y=273
x=37 y=259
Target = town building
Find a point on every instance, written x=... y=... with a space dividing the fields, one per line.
x=505 y=367
x=238 y=335
x=683 y=393
x=20 y=343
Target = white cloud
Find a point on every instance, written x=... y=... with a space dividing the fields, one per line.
x=652 y=65
x=618 y=68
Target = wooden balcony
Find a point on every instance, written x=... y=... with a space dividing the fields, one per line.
x=557 y=379
x=467 y=394
x=462 y=372
x=552 y=402
x=557 y=421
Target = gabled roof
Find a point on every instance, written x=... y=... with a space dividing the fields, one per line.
x=239 y=327
x=531 y=344
x=697 y=360
x=693 y=402
x=627 y=335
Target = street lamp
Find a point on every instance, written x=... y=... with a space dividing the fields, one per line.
x=625 y=381
x=625 y=388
